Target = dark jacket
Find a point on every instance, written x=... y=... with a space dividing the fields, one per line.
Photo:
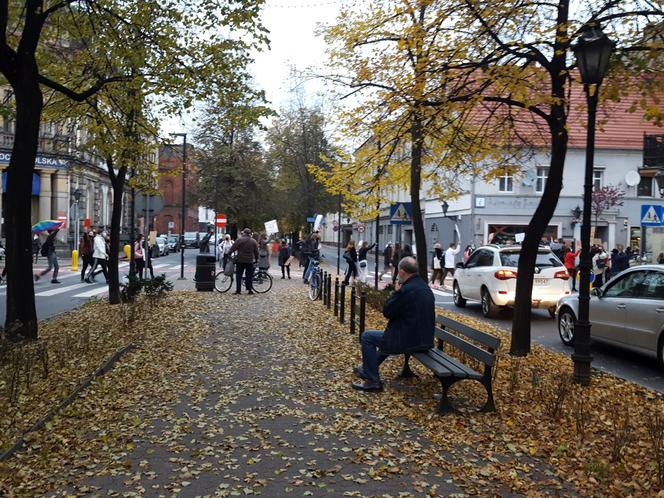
x=362 y=253
x=411 y=314
x=247 y=249
x=350 y=255
x=396 y=257
x=49 y=245
x=85 y=245
x=387 y=255
x=284 y=253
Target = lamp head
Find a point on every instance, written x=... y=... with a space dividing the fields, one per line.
x=576 y=212
x=445 y=206
x=77 y=194
x=593 y=51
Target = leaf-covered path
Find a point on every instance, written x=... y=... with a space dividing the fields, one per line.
x=250 y=395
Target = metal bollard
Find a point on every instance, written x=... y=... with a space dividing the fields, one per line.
x=329 y=290
x=363 y=310
x=336 y=296
x=342 y=303
x=352 y=310
x=321 y=283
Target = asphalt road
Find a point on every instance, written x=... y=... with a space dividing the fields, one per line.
x=52 y=299
x=636 y=368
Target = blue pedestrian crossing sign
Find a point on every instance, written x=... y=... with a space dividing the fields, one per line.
x=401 y=213
x=652 y=215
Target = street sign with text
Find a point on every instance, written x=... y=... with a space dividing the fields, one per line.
x=220 y=220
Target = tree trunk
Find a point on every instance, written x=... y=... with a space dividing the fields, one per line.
x=417 y=139
x=116 y=220
x=21 y=317
x=536 y=228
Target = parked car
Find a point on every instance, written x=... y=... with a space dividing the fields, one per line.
x=489 y=276
x=190 y=239
x=627 y=311
x=173 y=241
x=161 y=247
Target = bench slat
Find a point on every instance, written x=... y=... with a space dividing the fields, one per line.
x=481 y=337
x=466 y=347
x=431 y=364
x=453 y=364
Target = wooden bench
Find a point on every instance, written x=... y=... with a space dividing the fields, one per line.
x=449 y=369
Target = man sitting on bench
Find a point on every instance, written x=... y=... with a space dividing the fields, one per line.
x=410 y=329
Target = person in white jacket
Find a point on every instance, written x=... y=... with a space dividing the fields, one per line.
x=450 y=256
x=100 y=256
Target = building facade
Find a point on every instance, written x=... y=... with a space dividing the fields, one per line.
x=170 y=186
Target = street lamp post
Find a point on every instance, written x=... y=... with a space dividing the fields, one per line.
x=184 y=198
x=592 y=52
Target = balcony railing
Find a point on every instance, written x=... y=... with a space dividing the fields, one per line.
x=653 y=151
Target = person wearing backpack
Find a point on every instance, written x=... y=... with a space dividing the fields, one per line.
x=48 y=251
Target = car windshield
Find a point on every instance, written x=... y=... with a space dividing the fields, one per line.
x=545 y=259
x=190 y=235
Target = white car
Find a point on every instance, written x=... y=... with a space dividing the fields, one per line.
x=489 y=276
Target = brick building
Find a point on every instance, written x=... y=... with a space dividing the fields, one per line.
x=170 y=186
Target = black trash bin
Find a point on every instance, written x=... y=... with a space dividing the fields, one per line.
x=205 y=270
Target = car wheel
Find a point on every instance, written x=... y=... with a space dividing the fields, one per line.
x=566 y=321
x=489 y=308
x=552 y=312
x=459 y=301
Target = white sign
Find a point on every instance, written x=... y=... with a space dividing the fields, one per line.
x=319 y=220
x=171 y=225
x=519 y=237
x=360 y=228
x=271 y=227
x=480 y=202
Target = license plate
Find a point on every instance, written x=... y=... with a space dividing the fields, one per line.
x=541 y=281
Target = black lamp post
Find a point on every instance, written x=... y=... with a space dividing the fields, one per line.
x=592 y=52
x=183 y=213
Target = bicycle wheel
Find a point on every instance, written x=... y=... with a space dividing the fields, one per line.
x=222 y=282
x=314 y=286
x=262 y=282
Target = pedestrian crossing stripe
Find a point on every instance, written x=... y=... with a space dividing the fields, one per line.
x=60 y=290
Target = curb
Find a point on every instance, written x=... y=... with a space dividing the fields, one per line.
x=110 y=363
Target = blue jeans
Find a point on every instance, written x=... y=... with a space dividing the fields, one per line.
x=371 y=342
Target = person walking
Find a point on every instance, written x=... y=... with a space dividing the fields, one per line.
x=247 y=254
x=350 y=256
x=204 y=244
x=387 y=260
x=449 y=264
x=396 y=257
x=48 y=250
x=410 y=329
x=569 y=260
x=407 y=252
x=283 y=255
x=437 y=265
x=263 y=253
x=36 y=247
x=362 y=264
x=139 y=255
x=100 y=258
x=85 y=249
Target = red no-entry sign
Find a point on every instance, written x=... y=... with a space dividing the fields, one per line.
x=220 y=220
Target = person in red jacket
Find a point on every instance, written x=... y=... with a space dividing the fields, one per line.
x=569 y=258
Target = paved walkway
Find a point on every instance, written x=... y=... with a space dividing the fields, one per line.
x=257 y=403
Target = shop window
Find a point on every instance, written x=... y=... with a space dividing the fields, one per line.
x=389 y=229
x=645 y=187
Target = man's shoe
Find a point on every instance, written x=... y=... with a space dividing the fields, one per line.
x=88 y=281
x=237 y=292
x=55 y=281
x=359 y=371
x=36 y=278
x=251 y=292
x=368 y=386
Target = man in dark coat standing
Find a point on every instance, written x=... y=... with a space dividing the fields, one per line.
x=247 y=254
x=410 y=329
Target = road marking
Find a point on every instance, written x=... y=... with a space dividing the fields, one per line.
x=174 y=267
x=442 y=292
x=93 y=292
x=160 y=266
x=60 y=290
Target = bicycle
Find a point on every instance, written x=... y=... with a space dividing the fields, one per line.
x=315 y=281
x=261 y=281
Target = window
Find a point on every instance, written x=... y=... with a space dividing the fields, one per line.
x=545 y=259
x=389 y=229
x=542 y=175
x=654 y=285
x=598 y=179
x=472 y=261
x=506 y=183
x=630 y=285
x=380 y=229
x=645 y=187
x=485 y=258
